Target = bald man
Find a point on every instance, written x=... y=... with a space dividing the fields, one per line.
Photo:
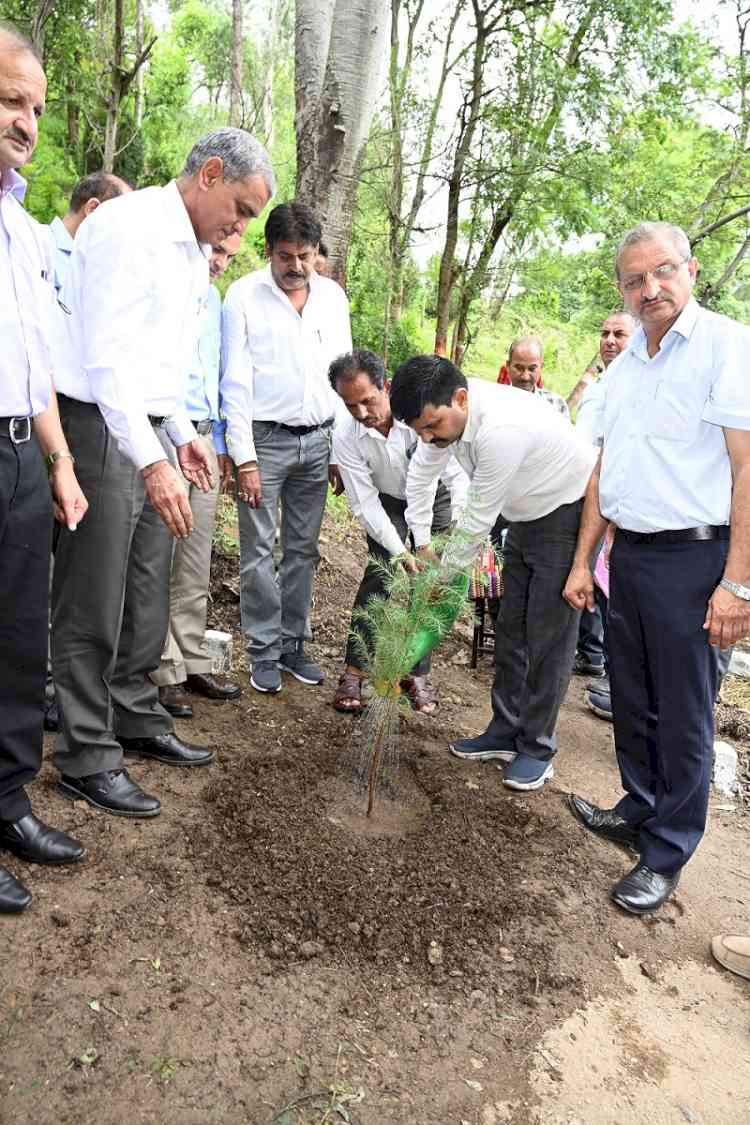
x=525 y=366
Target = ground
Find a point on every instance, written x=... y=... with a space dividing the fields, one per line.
x=261 y=953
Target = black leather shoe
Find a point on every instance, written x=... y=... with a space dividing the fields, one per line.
x=30 y=839
x=112 y=791
x=604 y=822
x=643 y=890
x=168 y=748
x=173 y=699
x=212 y=688
x=13 y=895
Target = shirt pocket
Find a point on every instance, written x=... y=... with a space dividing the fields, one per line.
x=674 y=414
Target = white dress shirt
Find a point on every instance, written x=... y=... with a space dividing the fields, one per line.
x=665 y=463
x=371 y=464
x=135 y=283
x=590 y=416
x=276 y=360
x=27 y=306
x=522 y=458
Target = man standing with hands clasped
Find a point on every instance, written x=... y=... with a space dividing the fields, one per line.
x=674 y=479
x=29 y=430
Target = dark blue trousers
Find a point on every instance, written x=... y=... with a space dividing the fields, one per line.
x=663 y=676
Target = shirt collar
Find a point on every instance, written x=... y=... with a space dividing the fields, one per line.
x=363 y=431
x=683 y=326
x=12 y=182
x=61 y=235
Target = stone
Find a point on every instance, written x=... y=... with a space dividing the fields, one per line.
x=218 y=648
x=435 y=953
x=725 y=769
x=310 y=949
x=739 y=664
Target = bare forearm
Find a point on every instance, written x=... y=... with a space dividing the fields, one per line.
x=738 y=560
x=48 y=429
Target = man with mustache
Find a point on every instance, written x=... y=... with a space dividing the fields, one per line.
x=282 y=327
x=674 y=479
x=30 y=432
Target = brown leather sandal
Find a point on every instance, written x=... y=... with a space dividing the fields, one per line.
x=348 y=694
x=422 y=695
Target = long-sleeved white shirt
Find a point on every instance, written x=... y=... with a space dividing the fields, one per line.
x=276 y=360
x=134 y=287
x=522 y=458
x=371 y=464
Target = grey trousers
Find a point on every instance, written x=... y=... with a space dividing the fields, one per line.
x=293 y=470
x=536 y=632
x=184 y=654
x=110 y=604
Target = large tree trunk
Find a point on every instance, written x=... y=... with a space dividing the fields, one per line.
x=236 y=111
x=339 y=52
x=114 y=96
x=140 y=76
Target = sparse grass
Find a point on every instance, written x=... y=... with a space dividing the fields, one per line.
x=226 y=539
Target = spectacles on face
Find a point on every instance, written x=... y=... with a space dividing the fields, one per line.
x=664 y=272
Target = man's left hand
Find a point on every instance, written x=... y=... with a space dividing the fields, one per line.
x=195 y=465
x=727 y=619
x=334 y=479
x=70 y=503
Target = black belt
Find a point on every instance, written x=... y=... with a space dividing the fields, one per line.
x=681 y=535
x=203 y=428
x=17 y=429
x=300 y=431
x=158 y=420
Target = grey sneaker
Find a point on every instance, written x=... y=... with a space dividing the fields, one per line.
x=265 y=676
x=301 y=667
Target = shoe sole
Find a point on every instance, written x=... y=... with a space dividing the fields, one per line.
x=633 y=848
x=528 y=786
x=297 y=676
x=71 y=794
x=506 y=756
x=146 y=756
x=599 y=711
x=265 y=690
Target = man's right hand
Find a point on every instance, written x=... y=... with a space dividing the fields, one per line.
x=579 y=589
x=248 y=484
x=167 y=494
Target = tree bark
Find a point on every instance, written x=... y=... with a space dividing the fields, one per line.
x=140 y=76
x=115 y=89
x=236 y=109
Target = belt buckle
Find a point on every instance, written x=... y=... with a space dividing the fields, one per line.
x=25 y=435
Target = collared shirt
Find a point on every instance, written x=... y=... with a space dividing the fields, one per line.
x=275 y=361
x=553 y=399
x=522 y=458
x=26 y=306
x=62 y=247
x=136 y=279
x=590 y=416
x=371 y=464
x=665 y=463
x=202 y=399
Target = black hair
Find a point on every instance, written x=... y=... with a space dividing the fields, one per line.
x=322 y=249
x=346 y=367
x=424 y=380
x=292 y=222
x=98 y=185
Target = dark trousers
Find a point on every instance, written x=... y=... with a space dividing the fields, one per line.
x=373 y=580
x=591 y=636
x=663 y=676
x=110 y=598
x=536 y=632
x=25 y=541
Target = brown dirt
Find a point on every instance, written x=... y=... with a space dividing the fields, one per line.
x=262 y=953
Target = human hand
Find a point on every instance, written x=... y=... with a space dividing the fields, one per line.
x=226 y=472
x=69 y=502
x=249 y=484
x=426 y=557
x=409 y=563
x=167 y=494
x=334 y=479
x=727 y=618
x=579 y=588
x=195 y=465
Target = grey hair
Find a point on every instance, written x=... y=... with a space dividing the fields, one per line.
x=17 y=40
x=241 y=155
x=650 y=232
x=526 y=340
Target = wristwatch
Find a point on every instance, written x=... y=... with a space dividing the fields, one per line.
x=59 y=455
x=736 y=589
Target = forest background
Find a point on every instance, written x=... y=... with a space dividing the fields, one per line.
x=474 y=162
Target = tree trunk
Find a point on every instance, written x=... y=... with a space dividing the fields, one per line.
x=115 y=90
x=339 y=51
x=236 y=109
x=140 y=76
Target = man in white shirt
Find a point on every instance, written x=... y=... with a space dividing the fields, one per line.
x=373 y=450
x=674 y=479
x=138 y=273
x=282 y=327
x=30 y=432
x=86 y=196
x=525 y=460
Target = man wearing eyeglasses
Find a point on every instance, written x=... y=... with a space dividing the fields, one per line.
x=674 y=479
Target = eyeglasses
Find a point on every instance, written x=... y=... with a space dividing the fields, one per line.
x=661 y=273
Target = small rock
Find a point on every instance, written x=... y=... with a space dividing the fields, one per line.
x=276 y=949
x=688 y=1113
x=651 y=971
x=621 y=950
x=739 y=665
x=59 y=918
x=725 y=769
x=505 y=954
x=435 y=953
x=477 y=996
x=310 y=949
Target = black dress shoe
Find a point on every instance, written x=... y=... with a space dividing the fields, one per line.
x=604 y=822
x=211 y=688
x=643 y=890
x=13 y=895
x=173 y=699
x=168 y=748
x=112 y=791
x=30 y=839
